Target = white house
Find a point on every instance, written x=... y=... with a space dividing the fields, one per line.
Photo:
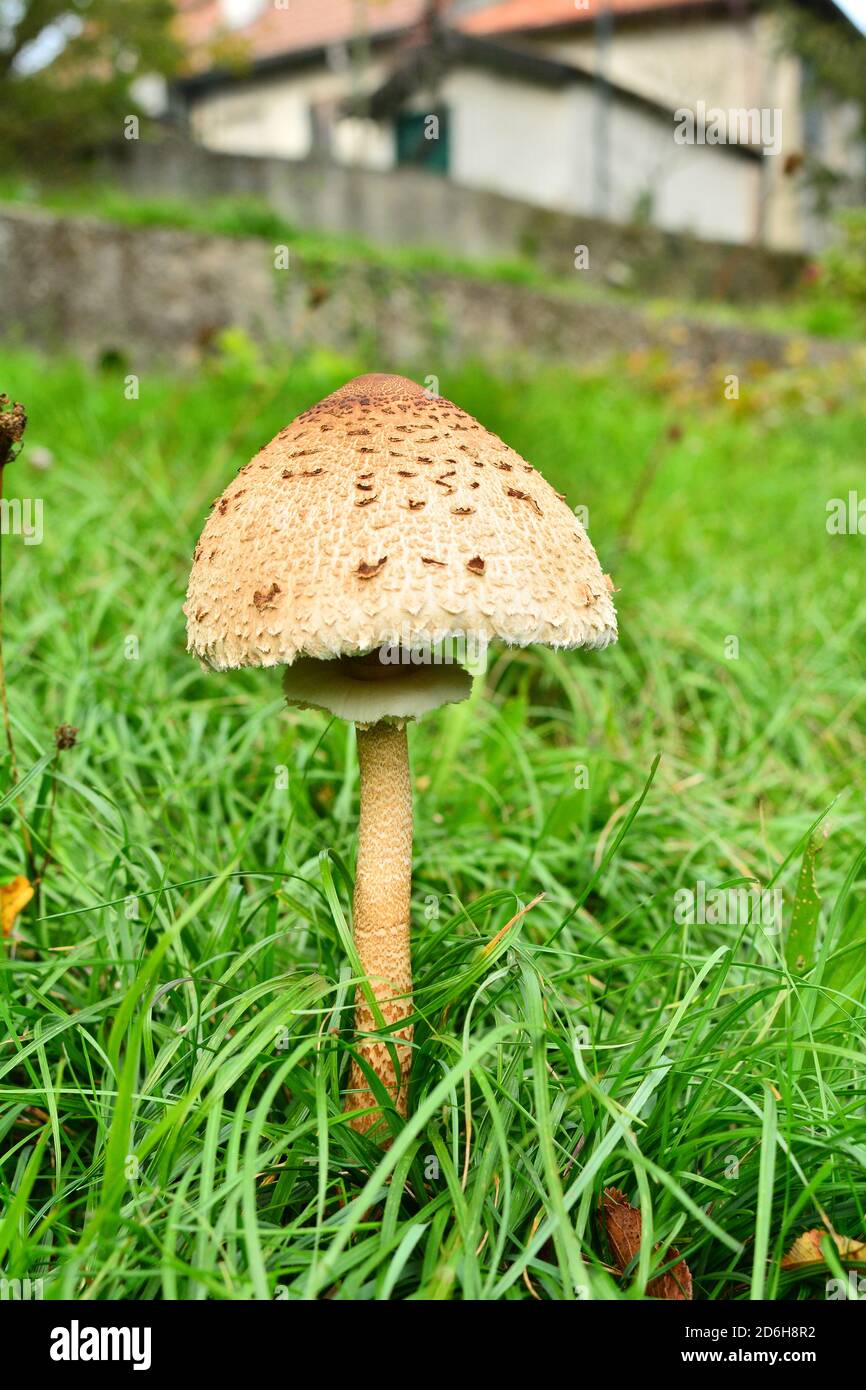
x=689 y=114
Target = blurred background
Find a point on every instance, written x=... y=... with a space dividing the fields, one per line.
x=630 y=238
x=610 y=156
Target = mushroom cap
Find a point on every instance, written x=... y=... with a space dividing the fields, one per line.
x=386 y=515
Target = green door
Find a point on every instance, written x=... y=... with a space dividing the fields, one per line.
x=422 y=140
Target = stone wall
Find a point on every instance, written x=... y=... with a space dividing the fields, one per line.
x=156 y=295
x=410 y=207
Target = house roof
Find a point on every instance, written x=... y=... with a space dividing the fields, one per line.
x=521 y=16
x=305 y=25
x=277 y=35
x=309 y=25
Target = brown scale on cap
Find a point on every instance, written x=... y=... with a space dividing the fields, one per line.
x=264 y=598
x=351 y=576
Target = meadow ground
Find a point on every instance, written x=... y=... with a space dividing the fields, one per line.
x=175 y=998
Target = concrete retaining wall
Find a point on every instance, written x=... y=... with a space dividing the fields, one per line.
x=160 y=295
x=409 y=207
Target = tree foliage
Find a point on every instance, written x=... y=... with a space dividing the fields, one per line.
x=68 y=72
x=833 y=54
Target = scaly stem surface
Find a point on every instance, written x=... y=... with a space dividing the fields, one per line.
x=383 y=883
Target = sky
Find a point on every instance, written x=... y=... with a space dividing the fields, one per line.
x=856 y=10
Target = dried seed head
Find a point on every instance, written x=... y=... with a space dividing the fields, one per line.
x=13 y=423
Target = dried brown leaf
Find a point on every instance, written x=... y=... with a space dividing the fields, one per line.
x=14 y=897
x=622 y=1225
x=806 y=1249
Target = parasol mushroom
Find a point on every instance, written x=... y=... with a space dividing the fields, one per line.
x=380 y=526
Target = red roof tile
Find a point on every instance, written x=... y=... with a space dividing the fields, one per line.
x=310 y=24
x=521 y=15
x=304 y=25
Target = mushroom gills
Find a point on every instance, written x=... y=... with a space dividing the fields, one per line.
x=368 y=688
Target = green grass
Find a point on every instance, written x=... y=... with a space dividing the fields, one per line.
x=808 y=310
x=176 y=1028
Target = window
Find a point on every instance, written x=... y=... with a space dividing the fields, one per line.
x=423 y=140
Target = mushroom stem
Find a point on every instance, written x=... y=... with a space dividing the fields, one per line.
x=383 y=883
